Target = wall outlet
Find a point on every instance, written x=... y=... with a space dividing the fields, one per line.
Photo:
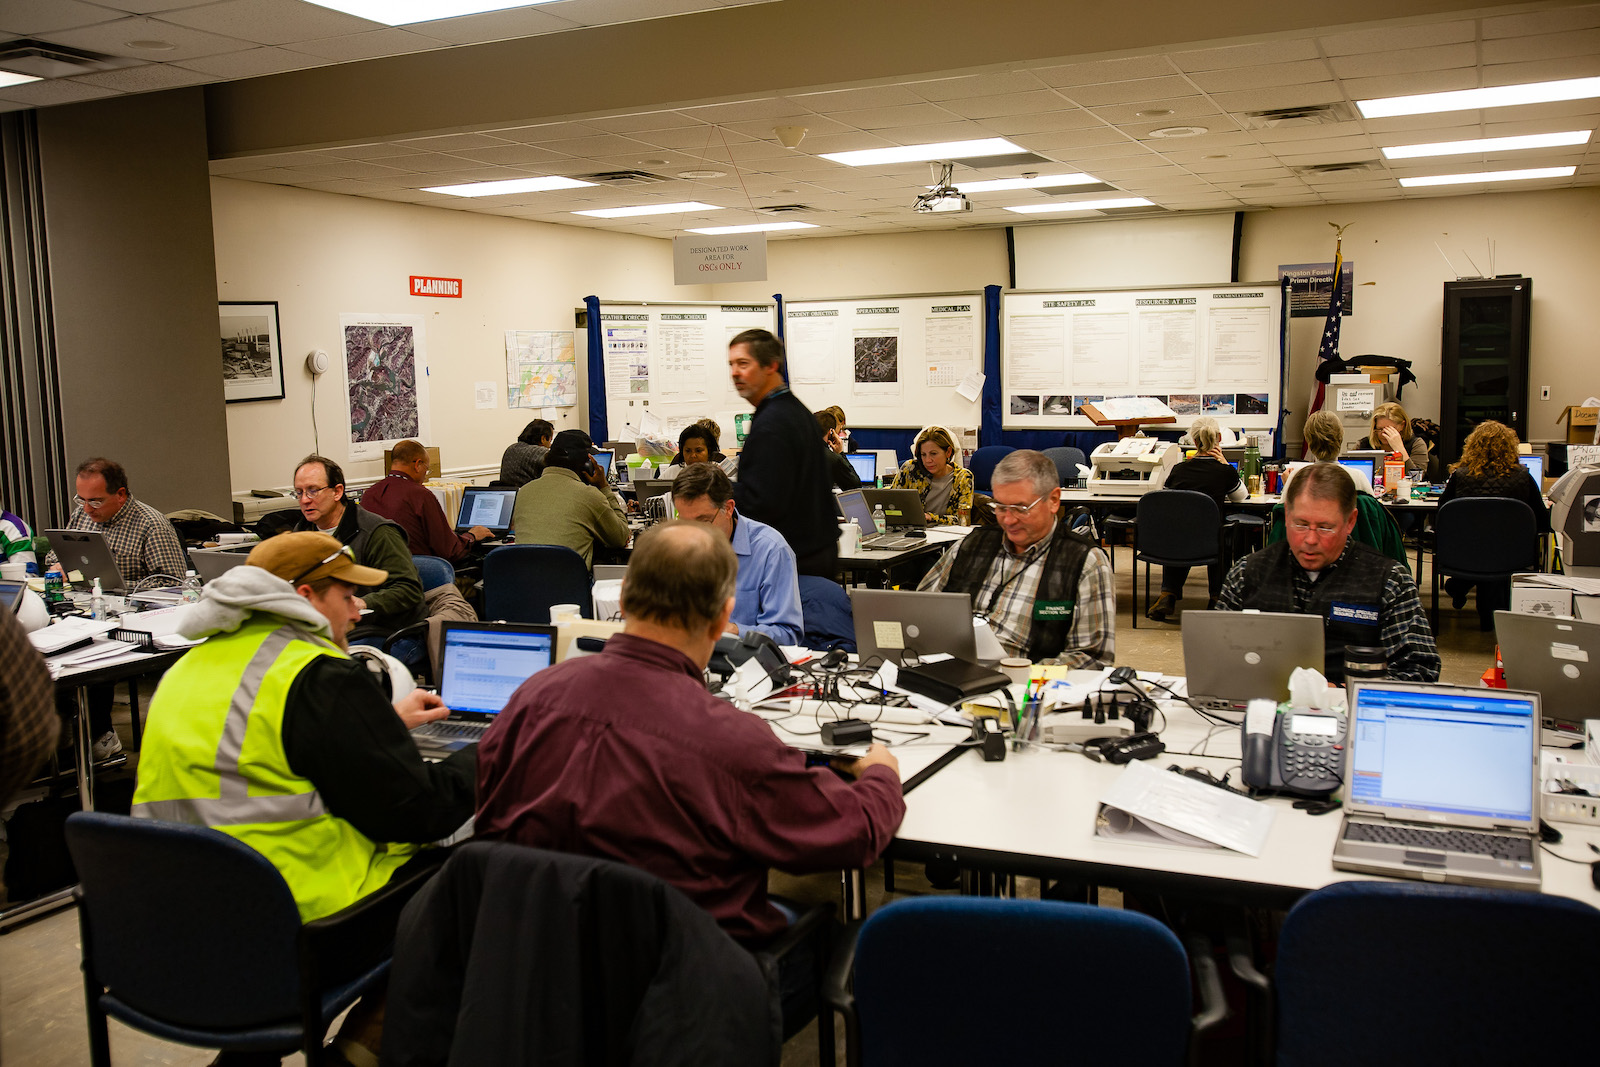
x=1544 y=392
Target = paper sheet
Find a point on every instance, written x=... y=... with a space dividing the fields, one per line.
x=1191 y=807
x=971 y=385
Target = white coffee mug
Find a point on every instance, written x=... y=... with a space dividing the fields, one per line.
x=560 y=613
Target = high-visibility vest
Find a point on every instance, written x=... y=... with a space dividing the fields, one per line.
x=213 y=756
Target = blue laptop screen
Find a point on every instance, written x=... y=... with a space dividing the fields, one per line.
x=866 y=465
x=1362 y=465
x=1535 y=465
x=1455 y=752
x=480 y=669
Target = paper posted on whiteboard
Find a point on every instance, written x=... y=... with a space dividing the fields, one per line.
x=1163 y=801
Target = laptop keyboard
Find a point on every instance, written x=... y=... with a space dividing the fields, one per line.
x=452 y=731
x=1497 y=846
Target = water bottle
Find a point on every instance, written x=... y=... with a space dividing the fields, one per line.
x=880 y=522
x=191 y=588
x=97 y=602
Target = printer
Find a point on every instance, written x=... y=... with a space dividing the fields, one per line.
x=1132 y=466
x=1575 y=515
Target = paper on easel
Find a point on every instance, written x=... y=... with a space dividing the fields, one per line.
x=1171 y=801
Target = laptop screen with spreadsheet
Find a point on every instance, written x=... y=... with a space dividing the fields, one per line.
x=482 y=664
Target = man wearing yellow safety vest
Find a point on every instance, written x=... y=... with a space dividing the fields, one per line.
x=270 y=733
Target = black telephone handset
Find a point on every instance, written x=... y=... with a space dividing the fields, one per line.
x=1296 y=753
x=732 y=651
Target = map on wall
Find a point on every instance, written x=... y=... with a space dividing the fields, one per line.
x=541 y=369
x=385 y=381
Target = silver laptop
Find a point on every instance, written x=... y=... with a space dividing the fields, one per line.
x=212 y=563
x=480 y=665
x=902 y=508
x=1442 y=785
x=88 y=552
x=854 y=507
x=488 y=507
x=1557 y=658
x=1233 y=657
x=894 y=623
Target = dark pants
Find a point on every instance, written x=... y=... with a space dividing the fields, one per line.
x=1172 y=578
x=1493 y=595
x=824 y=563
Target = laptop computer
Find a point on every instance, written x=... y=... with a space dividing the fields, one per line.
x=645 y=488
x=892 y=623
x=1442 y=785
x=1233 y=657
x=1557 y=658
x=480 y=665
x=866 y=466
x=88 y=552
x=606 y=460
x=901 y=507
x=212 y=563
x=1535 y=466
x=854 y=507
x=11 y=594
x=607 y=571
x=1362 y=464
x=486 y=507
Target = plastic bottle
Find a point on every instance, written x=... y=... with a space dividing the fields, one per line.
x=879 y=520
x=191 y=588
x=97 y=602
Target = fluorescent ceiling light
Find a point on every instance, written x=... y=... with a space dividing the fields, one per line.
x=755 y=227
x=1491 y=176
x=1470 y=99
x=509 y=185
x=920 y=153
x=647 y=209
x=1488 y=144
x=405 y=12
x=1081 y=205
x=8 y=78
x=1048 y=181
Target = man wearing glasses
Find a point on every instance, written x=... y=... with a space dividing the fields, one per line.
x=377 y=542
x=1046 y=591
x=1364 y=597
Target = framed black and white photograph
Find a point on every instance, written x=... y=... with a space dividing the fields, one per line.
x=252 y=354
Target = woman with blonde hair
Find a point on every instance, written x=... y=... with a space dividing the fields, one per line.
x=1208 y=472
x=1391 y=431
x=1324 y=440
x=936 y=473
x=1489 y=467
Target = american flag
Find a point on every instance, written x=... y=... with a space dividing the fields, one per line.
x=1329 y=349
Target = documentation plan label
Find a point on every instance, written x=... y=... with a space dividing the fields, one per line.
x=697 y=259
x=424 y=286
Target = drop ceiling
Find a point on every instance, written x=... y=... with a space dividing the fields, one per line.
x=1114 y=118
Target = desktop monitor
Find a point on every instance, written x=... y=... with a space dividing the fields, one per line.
x=1535 y=466
x=866 y=465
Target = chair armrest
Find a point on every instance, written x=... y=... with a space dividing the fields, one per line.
x=811 y=923
x=1208 y=979
x=415 y=630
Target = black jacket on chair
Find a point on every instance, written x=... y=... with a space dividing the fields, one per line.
x=514 y=955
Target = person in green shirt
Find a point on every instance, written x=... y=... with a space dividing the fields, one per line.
x=570 y=504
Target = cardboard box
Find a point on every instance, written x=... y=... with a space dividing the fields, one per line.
x=1581 y=424
x=1531 y=598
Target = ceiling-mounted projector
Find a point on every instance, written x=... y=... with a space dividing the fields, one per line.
x=943 y=196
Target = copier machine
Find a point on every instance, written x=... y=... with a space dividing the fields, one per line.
x=1132 y=466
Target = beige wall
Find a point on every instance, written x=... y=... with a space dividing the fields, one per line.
x=878 y=265
x=321 y=254
x=1399 y=297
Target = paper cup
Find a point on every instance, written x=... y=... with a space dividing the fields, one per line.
x=13 y=572
x=1017 y=669
x=560 y=613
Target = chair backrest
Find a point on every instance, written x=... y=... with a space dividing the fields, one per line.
x=1177 y=525
x=520 y=582
x=1485 y=536
x=1057 y=956
x=184 y=923
x=825 y=608
x=1067 y=461
x=433 y=571
x=1443 y=953
x=984 y=461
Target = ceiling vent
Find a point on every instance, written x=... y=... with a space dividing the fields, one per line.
x=622 y=177
x=42 y=59
x=1311 y=115
x=1358 y=166
x=785 y=209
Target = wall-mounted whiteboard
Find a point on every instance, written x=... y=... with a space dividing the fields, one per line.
x=889 y=361
x=671 y=360
x=1217 y=350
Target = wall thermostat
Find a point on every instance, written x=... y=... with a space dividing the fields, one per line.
x=317 y=363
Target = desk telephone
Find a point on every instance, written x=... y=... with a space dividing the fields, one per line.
x=1296 y=752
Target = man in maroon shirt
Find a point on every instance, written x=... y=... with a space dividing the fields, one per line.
x=625 y=755
x=404 y=498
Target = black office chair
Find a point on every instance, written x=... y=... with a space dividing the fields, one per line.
x=984 y=461
x=1482 y=539
x=521 y=582
x=1067 y=461
x=1385 y=973
x=193 y=936
x=1175 y=528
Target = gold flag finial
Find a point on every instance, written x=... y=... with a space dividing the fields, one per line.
x=1338 y=234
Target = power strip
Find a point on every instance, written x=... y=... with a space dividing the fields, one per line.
x=1566 y=807
x=1570 y=807
x=1072 y=728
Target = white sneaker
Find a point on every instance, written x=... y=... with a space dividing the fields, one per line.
x=108 y=745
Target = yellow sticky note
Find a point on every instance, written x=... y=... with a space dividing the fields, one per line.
x=888 y=634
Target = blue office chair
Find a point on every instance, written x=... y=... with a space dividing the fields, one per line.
x=433 y=571
x=1175 y=528
x=1067 y=461
x=1047 y=964
x=193 y=936
x=520 y=582
x=1381 y=973
x=827 y=614
x=984 y=461
x=1482 y=539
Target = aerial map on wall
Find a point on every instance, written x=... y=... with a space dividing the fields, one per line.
x=385 y=380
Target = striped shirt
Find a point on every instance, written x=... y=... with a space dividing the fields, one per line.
x=1091 y=639
x=142 y=541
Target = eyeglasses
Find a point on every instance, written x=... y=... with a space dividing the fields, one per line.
x=1321 y=529
x=93 y=504
x=344 y=550
x=306 y=494
x=1018 y=510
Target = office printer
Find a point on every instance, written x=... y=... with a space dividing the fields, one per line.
x=1575 y=515
x=1132 y=466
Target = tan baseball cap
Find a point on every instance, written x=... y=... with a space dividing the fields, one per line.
x=306 y=556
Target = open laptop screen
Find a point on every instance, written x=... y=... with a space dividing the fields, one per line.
x=853 y=505
x=489 y=508
x=1453 y=752
x=1362 y=465
x=481 y=666
x=1535 y=465
x=866 y=465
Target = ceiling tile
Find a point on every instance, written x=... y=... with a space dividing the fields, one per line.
x=1361 y=143
x=1106 y=70
x=509 y=154
x=147 y=78
x=1041 y=101
x=976 y=85
x=857 y=99
x=390 y=41
x=1286 y=96
x=1045 y=122
x=775 y=107
x=1407 y=61
x=1555 y=20
x=1129 y=92
x=547 y=131
x=1543 y=46
x=887 y=118
x=254 y=62
x=815 y=125
x=1542 y=70
x=43 y=93
x=45 y=17
x=269 y=21
x=497 y=25
x=349 y=168
x=847 y=142
x=962 y=130
x=1261 y=77
x=1288 y=135
x=112 y=38
x=598 y=143
x=1179 y=110
x=687 y=139
x=649 y=120
x=451 y=142
x=1245 y=55
x=1433 y=81
x=1070 y=140
x=606 y=12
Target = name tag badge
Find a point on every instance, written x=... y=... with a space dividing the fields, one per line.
x=1360 y=614
x=1053 y=610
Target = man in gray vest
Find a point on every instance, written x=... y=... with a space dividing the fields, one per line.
x=1364 y=597
x=1046 y=591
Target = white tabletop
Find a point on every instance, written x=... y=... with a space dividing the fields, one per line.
x=1261 y=501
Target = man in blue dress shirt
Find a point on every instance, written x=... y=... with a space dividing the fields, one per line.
x=767 y=596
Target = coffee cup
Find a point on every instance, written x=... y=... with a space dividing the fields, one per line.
x=1017 y=669
x=560 y=613
x=13 y=572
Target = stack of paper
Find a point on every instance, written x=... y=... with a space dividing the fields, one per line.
x=1151 y=807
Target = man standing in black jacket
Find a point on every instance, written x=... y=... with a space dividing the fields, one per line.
x=784 y=476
